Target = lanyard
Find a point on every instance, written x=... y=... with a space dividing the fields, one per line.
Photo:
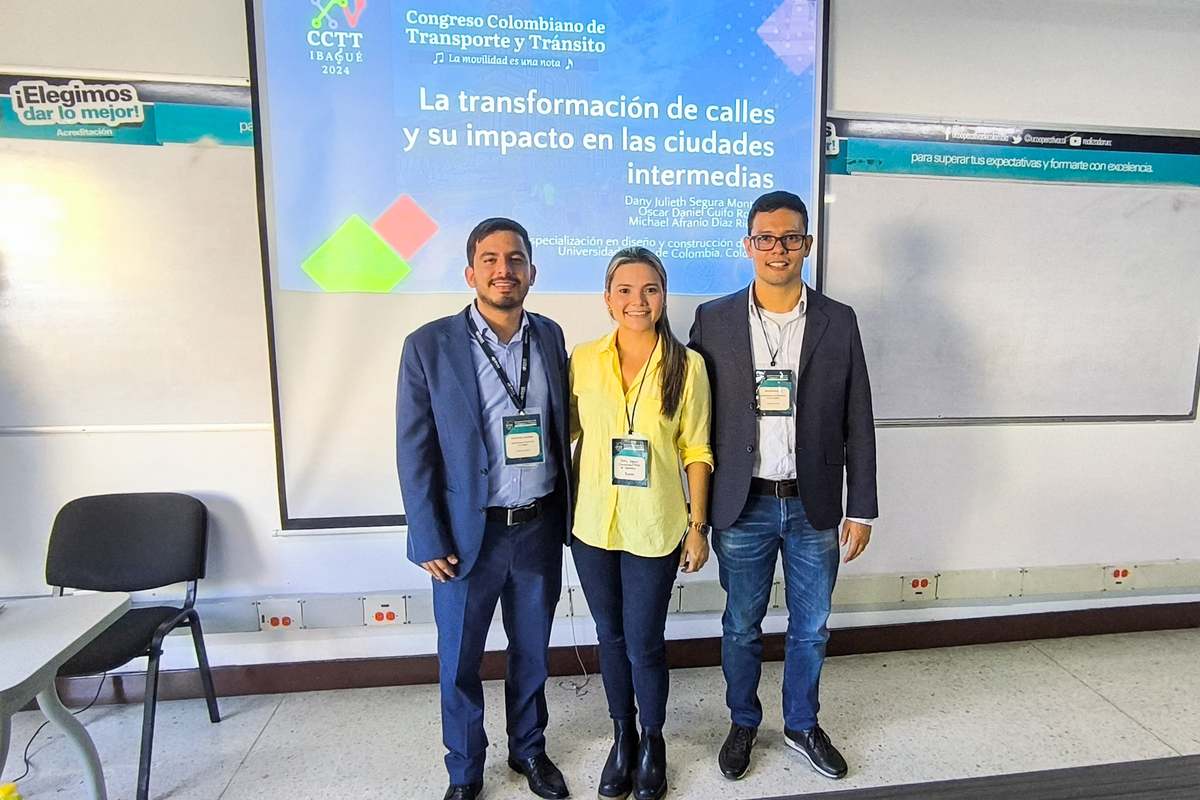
x=629 y=417
x=517 y=396
x=779 y=347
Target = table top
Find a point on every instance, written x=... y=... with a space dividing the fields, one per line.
x=39 y=634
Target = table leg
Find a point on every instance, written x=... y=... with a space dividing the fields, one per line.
x=57 y=713
x=5 y=736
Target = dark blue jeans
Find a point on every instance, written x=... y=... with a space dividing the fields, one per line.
x=628 y=596
x=521 y=567
x=747 y=552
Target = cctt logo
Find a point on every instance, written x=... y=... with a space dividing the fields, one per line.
x=336 y=48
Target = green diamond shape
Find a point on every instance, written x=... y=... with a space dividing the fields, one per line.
x=356 y=259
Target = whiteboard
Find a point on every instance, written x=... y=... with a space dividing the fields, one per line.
x=339 y=356
x=997 y=299
x=130 y=286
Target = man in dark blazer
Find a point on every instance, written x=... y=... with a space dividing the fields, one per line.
x=791 y=417
x=482 y=436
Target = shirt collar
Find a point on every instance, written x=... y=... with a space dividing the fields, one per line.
x=489 y=334
x=799 y=311
x=610 y=342
x=610 y=346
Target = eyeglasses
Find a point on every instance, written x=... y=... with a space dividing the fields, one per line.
x=791 y=241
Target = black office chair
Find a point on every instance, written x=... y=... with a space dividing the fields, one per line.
x=129 y=543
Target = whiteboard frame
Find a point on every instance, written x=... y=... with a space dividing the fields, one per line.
x=922 y=422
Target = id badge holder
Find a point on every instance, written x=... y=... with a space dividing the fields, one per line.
x=773 y=392
x=631 y=461
x=523 y=439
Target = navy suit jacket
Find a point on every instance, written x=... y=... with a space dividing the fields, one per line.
x=440 y=452
x=835 y=426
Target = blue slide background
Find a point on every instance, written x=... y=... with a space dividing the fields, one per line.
x=334 y=144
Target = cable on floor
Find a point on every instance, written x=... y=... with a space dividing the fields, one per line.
x=580 y=689
x=25 y=756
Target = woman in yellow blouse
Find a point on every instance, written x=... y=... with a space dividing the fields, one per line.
x=640 y=403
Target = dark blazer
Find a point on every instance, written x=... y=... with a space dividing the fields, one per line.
x=440 y=452
x=835 y=427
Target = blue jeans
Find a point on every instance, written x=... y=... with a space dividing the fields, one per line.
x=747 y=552
x=628 y=596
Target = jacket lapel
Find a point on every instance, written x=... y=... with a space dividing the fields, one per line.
x=737 y=322
x=815 y=323
x=456 y=341
x=550 y=362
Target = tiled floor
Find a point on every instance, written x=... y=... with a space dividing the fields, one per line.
x=898 y=718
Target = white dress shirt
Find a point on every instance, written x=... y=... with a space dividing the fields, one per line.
x=783 y=335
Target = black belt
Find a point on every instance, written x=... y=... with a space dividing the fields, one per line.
x=516 y=515
x=789 y=488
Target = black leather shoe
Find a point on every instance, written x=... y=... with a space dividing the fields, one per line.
x=734 y=758
x=464 y=791
x=616 y=780
x=814 y=745
x=544 y=778
x=650 y=779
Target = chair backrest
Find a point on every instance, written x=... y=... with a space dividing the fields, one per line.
x=128 y=542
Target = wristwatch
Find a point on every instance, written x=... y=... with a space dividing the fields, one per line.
x=704 y=528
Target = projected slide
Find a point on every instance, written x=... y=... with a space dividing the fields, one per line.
x=390 y=128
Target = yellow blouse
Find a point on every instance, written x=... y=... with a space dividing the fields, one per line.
x=645 y=521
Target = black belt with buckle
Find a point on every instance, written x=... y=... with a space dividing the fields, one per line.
x=789 y=488
x=516 y=515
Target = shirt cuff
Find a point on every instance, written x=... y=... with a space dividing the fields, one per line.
x=863 y=520
x=701 y=453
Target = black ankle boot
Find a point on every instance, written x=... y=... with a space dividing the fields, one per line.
x=650 y=780
x=616 y=781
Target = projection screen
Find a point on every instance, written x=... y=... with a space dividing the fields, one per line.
x=386 y=130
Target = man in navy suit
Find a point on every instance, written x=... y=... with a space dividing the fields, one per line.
x=482 y=436
x=791 y=416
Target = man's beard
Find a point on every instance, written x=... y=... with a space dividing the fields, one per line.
x=505 y=302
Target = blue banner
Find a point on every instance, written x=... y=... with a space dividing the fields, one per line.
x=1015 y=163
x=1011 y=153
x=75 y=110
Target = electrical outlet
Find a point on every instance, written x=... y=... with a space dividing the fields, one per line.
x=917 y=588
x=384 y=609
x=1118 y=578
x=276 y=614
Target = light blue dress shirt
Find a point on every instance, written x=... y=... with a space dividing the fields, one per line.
x=512 y=485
